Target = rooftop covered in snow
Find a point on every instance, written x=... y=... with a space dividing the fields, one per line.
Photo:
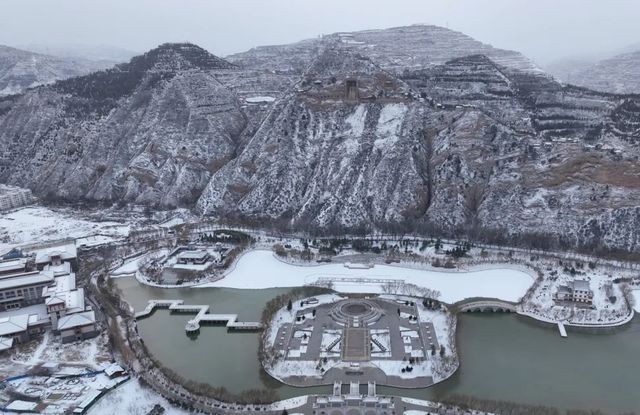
x=77 y=320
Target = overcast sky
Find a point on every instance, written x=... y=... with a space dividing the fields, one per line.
x=544 y=30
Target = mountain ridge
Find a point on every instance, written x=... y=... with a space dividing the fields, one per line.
x=344 y=140
x=20 y=69
x=617 y=74
x=392 y=48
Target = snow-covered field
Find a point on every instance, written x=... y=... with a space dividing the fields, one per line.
x=59 y=395
x=431 y=404
x=37 y=224
x=133 y=399
x=636 y=296
x=62 y=359
x=260 y=269
x=129 y=268
x=92 y=353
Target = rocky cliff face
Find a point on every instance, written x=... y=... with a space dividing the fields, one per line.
x=20 y=69
x=323 y=157
x=337 y=135
x=462 y=145
x=525 y=151
x=151 y=131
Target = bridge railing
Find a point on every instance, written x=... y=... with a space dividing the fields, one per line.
x=482 y=303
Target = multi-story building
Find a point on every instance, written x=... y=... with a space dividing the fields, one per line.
x=13 y=266
x=17 y=328
x=78 y=326
x=23 y=280
x=577 y=291
x=12 y=197
x=55 y=254
x=45 y=286
x=23 y=289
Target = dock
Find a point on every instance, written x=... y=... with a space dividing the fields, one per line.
x=563 y=331
x=202 y=315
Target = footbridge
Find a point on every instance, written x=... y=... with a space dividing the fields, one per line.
x=202 y=315
x=481 y=305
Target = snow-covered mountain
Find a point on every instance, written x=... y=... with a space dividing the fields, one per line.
x=462 y=145
x=394 y=49
x=98 y=53
x=150 y=130
x=334 y=134
x=617 y=74
x=20 y=69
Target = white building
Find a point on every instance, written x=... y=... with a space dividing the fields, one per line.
x=19 y=328
x=64 y=309
x=15 y=327
x=12 y=197
x=64 y=300
x=23 y=289
x=13 y=266
x=577 y=291
x=62 y=297
x=78 y=326
x=21 y=284
x=197 y=257
x=55 y=254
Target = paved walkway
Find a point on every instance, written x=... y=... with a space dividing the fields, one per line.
x=202 y=315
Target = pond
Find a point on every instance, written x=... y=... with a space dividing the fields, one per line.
x=503 y=356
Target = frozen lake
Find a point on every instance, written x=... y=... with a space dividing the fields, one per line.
x=260 y=269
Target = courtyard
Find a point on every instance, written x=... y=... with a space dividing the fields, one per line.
x=390 y=340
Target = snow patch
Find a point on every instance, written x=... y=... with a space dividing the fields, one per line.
x=356 y=121
x=132 y=398
x=389 y=125
x=259 y=99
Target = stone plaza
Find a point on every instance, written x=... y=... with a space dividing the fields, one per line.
x=388 y=340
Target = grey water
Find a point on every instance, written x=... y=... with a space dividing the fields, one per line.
x=502 y=356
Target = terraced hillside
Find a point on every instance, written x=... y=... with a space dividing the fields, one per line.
x=333 y=134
